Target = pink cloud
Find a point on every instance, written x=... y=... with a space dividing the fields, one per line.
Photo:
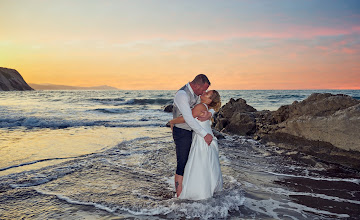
x=297 y=32
x=349 y=50
x=255 y=30
x=301 y=32
x=322 y=48
x=356 y=29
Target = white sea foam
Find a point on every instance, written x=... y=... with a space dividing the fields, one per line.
x=216 y=207
x=351 y=180
x=281 y=191
x=57 y=122
x=268 y=207
x=170 y=181
x=224 y=160
x=71 y=201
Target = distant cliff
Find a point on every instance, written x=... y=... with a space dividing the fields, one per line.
x=11 y=80
x=64 y=87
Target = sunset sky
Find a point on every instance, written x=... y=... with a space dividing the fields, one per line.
x=162 y=44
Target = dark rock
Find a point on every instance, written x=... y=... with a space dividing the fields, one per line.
x=321 y=125
x=233 y=106
x=218 y=134
x=242 y=124
x=325 y=151
x=168 y=108
x=221 y=123
x=236 y=117
x=334 y=119
x=317 y=104
x=11 y=80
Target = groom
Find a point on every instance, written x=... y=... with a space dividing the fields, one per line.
x=185 y=99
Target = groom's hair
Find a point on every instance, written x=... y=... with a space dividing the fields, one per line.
x=201 y=79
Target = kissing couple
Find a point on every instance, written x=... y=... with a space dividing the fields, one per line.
x=198 y=174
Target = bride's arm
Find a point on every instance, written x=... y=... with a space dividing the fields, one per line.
x=196 y=112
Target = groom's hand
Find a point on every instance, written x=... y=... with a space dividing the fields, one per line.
x=208 y=138
x=204 y=116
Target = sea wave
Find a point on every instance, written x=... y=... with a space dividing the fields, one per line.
x=112 y=110
x=107 y=99
x=148 y=101
x=36 y=122
x=134 y=101
x=280 y=97
x=33 y=162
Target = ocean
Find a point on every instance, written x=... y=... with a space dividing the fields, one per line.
x=109 y=155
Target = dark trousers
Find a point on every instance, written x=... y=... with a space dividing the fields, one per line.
x=182 y=139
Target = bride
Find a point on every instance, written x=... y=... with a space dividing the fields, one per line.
x=202 y=175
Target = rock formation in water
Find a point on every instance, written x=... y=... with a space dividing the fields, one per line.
x=11 y=80
x=324 y=125
x=168 y=108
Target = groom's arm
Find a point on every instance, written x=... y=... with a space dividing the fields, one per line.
x=182 y=102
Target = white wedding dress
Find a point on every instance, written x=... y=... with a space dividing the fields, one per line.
x=202 y=175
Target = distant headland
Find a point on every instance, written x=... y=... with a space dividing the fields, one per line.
x=64 y=87
x=11 y=80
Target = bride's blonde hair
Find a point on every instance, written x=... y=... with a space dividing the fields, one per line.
x=216 y=102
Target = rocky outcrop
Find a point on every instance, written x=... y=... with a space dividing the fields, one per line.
x=11 y=80
x=316 y=105
x=169 y=108
x=236 y=117
x=323 y=125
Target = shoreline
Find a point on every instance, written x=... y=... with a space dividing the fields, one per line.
x=323 y=151
x=250 y=170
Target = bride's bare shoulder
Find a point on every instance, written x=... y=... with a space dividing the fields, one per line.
x=198 y=109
